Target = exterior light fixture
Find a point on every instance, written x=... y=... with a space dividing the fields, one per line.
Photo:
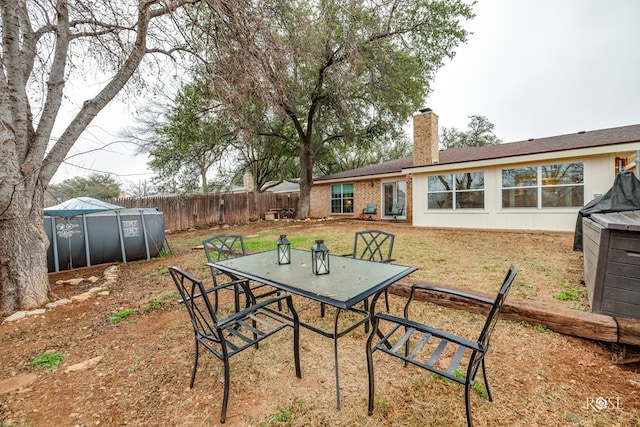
x=284 y=250
x=320 y=258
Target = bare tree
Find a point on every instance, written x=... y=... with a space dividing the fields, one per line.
x=44 y=44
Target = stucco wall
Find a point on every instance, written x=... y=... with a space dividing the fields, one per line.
x=599 y=175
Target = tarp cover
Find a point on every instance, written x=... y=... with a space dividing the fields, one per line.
x=623 y=196
x=78 y=206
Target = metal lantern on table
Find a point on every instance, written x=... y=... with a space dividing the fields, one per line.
x=284 y=250
x=320 y=258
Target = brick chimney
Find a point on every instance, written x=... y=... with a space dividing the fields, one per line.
x=425 y=138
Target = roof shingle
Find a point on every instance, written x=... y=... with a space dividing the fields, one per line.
x=588 y=139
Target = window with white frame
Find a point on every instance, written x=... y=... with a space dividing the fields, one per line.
x=456 y=191
x=341 y=198
x=545 y=186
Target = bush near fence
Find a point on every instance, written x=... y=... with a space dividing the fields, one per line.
x=205 y=210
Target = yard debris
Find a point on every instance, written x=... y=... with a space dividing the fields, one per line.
x=22 y=314
x=17 y=382
x=83 y=366
x=75 y=281
x=110 y=274
x=58 y=303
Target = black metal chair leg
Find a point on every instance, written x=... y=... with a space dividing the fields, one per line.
x=296 y=348
x=236 y=297
x=366 y=324
x=195 y=364
x=335 y=355
x=225 y=396
x=467 y=403
x=486 y=382
x=370 y=373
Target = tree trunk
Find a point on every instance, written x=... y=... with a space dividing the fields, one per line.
x=306 y=180
x=23 y=263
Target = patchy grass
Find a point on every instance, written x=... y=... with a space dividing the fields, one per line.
x=47 y=361
x=120 y=315
x=535 y=377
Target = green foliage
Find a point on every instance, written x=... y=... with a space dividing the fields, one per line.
x=122 y=314
x=159 y=303
x=477 y=387
x=194 y=138
x=479 y=134
x=343 y=156
x=99 y=186
x=283 y=415
x=267 y=241
x=321 y=73
x=570 y=293
x=47 y=361
x=542 y=328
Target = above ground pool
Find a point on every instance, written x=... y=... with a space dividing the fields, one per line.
x=88 y=239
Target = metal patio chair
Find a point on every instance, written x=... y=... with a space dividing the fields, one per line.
x=225 y=338
x=369 y=211
x=424 y=346
x=397 y=209
x=371 y=245
x=225 y=246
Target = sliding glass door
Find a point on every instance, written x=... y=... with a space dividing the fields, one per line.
x=394 y=198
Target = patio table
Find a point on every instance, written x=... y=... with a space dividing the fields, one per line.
x=349 y=282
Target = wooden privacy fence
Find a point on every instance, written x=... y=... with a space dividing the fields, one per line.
x=203 y=210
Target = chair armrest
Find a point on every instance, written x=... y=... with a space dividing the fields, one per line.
x=473 y=345
x=216 y=288
x=453 y=292
x=243 y=313
x=444 y=291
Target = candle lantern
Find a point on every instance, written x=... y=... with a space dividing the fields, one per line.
x=284 y=250
x=320 y=258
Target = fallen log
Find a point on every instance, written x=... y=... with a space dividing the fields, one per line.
x=559 y=319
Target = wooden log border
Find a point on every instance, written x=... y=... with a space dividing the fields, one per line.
x=559 y=319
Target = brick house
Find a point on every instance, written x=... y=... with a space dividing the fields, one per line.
x=538 y=184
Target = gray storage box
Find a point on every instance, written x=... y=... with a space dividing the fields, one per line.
x=612 y=263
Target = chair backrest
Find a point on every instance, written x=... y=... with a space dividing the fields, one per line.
x=196 y=300
x=224 y=246
x=397 y=208
x=221 y=247
x=492 y=317
x=373 y=245
x=371 y=208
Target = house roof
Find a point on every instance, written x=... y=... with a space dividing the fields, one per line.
x=392 y=166
x=286 y=187
x=573 y=141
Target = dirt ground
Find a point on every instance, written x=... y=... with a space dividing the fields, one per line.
x=138 y=367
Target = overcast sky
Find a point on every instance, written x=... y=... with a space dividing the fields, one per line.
x=534 y=68
x=544 y=68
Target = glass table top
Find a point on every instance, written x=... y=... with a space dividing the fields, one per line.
x=348 y=282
